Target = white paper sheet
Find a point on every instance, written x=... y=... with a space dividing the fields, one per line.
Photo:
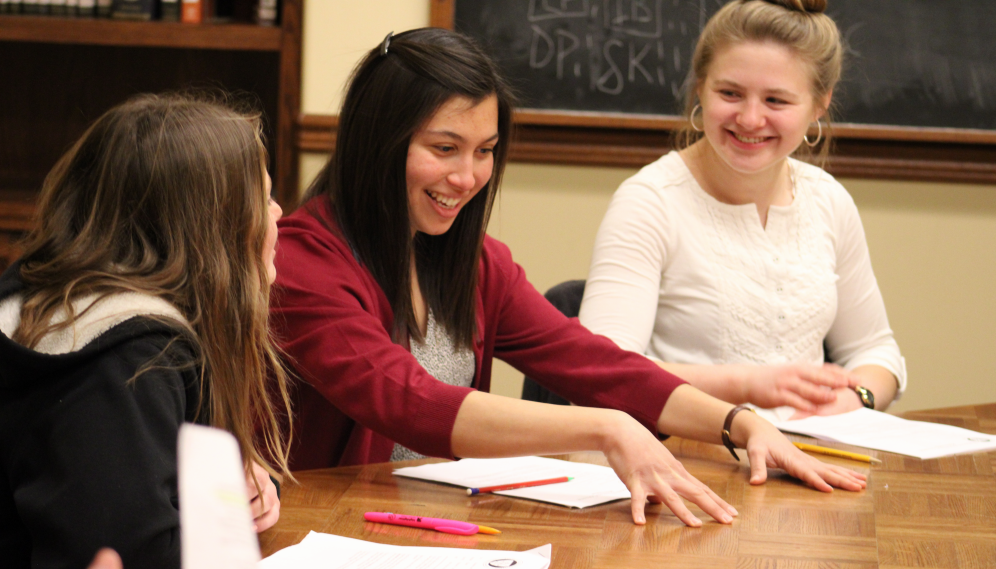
x=215 y=521
x=592 y=484
x=325 y=551
x=881 y=431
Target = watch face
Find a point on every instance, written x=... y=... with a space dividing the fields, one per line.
x=866 y=396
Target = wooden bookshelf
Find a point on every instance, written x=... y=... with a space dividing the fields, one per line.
x=62 y=73
x=120 y=33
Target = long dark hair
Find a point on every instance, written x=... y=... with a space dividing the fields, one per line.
x=165 y=195
x=390 y=95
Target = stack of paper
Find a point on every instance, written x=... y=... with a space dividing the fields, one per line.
x=324 y=551
x=592 y=484
x=881 y=431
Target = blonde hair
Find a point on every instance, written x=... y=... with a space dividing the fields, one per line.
x=165 y=195
x=799 y=25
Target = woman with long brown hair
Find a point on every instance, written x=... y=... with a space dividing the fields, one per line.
x=141 y=303
x=392 y=302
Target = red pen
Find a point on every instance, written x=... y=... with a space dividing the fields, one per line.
x=499 y=488
x=438 y=524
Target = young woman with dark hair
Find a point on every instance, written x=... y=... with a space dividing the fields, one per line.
x=141 y=302
x=391 y=302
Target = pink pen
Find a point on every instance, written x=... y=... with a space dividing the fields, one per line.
x=438 y=524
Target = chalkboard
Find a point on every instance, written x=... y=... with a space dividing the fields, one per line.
x=909 y=63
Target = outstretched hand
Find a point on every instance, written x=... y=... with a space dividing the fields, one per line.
x=806 y=387
x=767 y=448
x=652 y=474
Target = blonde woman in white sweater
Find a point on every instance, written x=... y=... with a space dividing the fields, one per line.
x=735 y=265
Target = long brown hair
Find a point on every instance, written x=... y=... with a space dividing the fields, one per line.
x=165 y=196
x=799 y=25
x=390 y=95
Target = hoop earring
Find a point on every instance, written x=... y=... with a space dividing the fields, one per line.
x=691 y=117
x=819 y=135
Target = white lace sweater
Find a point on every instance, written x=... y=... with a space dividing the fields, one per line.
x=681 y=277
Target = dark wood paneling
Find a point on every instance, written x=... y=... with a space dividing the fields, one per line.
x=316 y=133
x=289 y=105
x=441 y=13
x=66 y=87
x=632 y=142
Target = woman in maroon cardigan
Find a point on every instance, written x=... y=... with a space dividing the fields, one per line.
x=391 y=303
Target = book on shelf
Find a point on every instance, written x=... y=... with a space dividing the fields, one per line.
x=169 y=10
x=267 y=12
x=195 y=11
x=133 y=9
x=33 y=7
x=262 y=12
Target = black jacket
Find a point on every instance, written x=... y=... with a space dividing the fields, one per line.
x=87 y=457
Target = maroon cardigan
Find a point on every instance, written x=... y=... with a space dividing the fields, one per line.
x=361 y=392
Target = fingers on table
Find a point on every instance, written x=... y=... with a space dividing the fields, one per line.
x=825 y=477
x=251 y=491
x=758 y=458
x=797 y=464
x=814 y=472
x=726 y=507
x=268 y=519
x=844 y=478
x=687 y=487
x=256 y=507
x=667 y=496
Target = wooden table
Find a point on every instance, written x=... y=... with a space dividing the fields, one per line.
x=914 y=513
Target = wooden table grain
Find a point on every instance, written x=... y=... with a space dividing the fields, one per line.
x=938 y=513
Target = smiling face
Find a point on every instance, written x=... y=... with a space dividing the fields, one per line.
x=756 y=105
x=449 y=160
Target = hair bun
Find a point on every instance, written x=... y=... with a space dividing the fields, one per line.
x=806 y=6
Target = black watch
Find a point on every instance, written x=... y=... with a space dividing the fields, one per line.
x=866 y=396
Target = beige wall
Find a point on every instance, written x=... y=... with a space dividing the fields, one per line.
x=932 y=245
x=337 y=33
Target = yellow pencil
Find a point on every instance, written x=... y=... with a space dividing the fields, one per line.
x=837 y=453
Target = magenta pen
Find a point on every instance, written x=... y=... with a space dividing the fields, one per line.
x=438 y=524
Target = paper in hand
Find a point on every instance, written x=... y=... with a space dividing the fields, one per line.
x=216 y=528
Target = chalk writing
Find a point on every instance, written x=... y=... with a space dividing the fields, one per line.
x=908 y=62
x=611 y=43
